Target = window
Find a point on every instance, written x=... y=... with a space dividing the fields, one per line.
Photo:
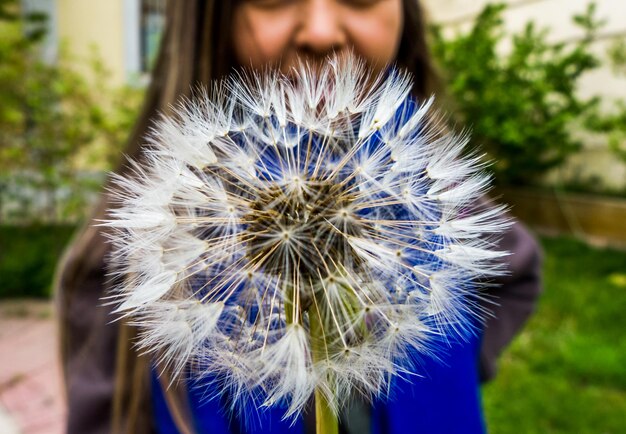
x=151 y=25
x=47 y=9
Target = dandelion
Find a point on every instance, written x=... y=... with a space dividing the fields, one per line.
x=290 y=236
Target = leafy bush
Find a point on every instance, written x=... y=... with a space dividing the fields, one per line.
x=54 y=124
x=28 y=257
x=614 y=125
x=521 y=106
x=50 y=115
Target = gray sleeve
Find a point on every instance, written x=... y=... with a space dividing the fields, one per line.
x=513 y=298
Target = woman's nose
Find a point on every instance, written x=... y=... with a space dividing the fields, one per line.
x=321 y=29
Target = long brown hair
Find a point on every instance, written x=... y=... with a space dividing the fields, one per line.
x=196 y=48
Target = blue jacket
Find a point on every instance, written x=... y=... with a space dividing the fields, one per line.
x=445 y=400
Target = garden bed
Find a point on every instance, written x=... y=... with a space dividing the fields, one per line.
x=596 y=219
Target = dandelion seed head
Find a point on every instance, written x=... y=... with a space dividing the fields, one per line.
x=297 y=233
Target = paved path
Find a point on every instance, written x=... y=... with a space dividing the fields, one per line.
x=31 y=395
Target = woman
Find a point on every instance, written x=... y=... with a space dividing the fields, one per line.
x=110 y=387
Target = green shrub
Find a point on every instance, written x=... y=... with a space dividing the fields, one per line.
x=521 y=105
x=28 y=257
x=57 y=127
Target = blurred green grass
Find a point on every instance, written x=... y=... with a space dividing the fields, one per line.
x=566 y=373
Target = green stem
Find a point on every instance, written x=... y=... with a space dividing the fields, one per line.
x=326 y=421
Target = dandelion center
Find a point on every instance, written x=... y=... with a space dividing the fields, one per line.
x=301 y=232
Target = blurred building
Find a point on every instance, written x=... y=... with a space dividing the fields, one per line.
x=123 y=33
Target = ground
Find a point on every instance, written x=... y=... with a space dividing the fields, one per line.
x=31 y=395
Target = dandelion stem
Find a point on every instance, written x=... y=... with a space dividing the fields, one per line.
x=326 y=421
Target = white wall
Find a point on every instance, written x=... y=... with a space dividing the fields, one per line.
x=87 y=24
x=132 y=52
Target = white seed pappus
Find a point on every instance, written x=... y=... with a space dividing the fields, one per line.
x=282 y=234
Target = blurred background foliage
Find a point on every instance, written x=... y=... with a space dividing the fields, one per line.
x=59 y=134
x=522 y=104
x=58 y=130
